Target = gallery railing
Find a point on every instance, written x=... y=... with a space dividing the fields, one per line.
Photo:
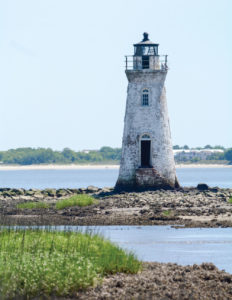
x=152 y=62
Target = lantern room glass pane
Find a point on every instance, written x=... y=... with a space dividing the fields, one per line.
x=146 y=50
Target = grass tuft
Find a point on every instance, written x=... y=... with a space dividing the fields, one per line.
x=42 y=263
x=167 y=212
x=76 y=200
x=31 y=205
x=230 y=200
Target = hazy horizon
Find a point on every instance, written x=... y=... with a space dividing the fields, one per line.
x=63 y=74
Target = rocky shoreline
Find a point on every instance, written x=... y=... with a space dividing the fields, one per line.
x=164 y=281
x=185 y=207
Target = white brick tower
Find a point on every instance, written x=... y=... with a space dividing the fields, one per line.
x=147 y=157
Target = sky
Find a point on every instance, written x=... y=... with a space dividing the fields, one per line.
x=62 y=70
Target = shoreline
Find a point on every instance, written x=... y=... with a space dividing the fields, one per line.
x=188 y=207
x=95 y=167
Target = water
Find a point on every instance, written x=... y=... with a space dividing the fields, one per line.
x=41 y=179
x=150 y=243
x=184 y=246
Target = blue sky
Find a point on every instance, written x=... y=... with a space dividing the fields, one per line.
x=62 y=69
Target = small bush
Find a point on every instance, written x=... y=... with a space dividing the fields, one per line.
x=76 y=200
x=31 y=205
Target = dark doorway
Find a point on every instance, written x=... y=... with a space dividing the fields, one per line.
x=145 y=62
x=145 y=153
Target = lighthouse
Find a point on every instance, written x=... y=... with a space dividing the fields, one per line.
x=147 y=160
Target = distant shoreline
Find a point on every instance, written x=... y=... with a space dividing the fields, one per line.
x=95 y=167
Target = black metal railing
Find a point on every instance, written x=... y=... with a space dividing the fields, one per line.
x=152 y=62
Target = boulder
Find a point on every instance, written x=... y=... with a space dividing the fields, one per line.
x=50 y=192
x=74 y=191
x=7 y=194
x=29 y=192
x=214 y=189
x=202 y=187
x=92 y=189
x=61 y=193
x=18 y=192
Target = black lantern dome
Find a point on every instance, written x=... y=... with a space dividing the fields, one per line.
x=145 y=47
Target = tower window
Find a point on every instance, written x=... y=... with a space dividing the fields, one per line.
x=145 y=97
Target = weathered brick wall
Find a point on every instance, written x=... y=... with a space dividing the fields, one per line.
x=153 y=120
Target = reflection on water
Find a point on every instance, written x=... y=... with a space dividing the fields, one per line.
x=165 y=244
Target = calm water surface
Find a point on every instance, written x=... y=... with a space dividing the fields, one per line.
x=185 y=246
x=40 y=179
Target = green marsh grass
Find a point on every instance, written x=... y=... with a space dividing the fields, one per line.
x=31 y=205
x=167 y=212
x=76 y=200
x=230 y=200
x=41 y=263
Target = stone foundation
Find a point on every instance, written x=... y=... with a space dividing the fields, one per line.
x=149 y=177
x=146 y=178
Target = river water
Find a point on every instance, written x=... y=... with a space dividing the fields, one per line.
x=185 y=246
x=149 y=243
x=221 y=177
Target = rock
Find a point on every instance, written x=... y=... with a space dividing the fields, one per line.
x=7 y=194
x=74 y=191
x=4 y=189
x=12 y=192
x=214 y=189
x=202 y=187
x=50 y=192
x=61 y=193
x=38 y=196
x=29 y=192
x=18 y=192
x=144 y=211
x=105 y=190
x=92 y=189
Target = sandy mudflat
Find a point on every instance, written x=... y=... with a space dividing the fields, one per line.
x=58 y=167
x=189 y=207
x=202 y=166
x=95 y=167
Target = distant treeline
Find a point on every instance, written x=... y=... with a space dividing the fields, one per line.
x=29 y=156
x=186 y=147
x=215 y=157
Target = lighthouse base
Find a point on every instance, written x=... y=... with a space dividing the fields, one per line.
x=146 y=179
x=149 y=177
